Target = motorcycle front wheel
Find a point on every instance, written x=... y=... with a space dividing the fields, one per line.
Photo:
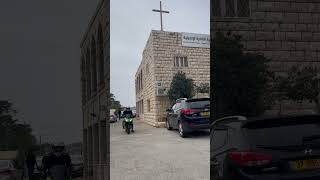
x=128 y=130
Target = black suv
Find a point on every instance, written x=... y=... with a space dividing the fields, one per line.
x=265 y=148
x=189 y=115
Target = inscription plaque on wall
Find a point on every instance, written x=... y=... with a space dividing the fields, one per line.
x=195 y=40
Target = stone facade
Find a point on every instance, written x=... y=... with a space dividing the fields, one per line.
x=95 y=88
x=159 y=65
x=286 y=31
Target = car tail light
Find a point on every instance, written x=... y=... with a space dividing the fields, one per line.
x=188 y=111
x=5 y=172
x=250 y=159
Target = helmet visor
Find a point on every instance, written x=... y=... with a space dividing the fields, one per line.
x=58 y=148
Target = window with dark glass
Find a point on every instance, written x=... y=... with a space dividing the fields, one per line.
x=231 y=8
x=243 y=8
x=181 y=62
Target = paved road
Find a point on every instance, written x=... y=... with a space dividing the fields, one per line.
x=157 y=154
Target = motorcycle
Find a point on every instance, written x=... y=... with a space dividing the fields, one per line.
x=128 y=124
x=57 y=173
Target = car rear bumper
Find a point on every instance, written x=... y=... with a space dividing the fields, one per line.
x=307 y=175
x=190 y=126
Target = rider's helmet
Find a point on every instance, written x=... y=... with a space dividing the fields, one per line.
x=58 y=148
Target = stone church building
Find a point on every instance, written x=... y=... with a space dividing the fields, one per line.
x=95 y=90
x=165 y=54
x=286 y=31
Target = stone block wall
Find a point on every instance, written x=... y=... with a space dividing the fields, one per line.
x=159 y=54
x=95 y=41
x=287 y=31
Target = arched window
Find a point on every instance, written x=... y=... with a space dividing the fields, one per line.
x=93 y=65
x=83 y=79
x=101 y=55
x=88 y=72
x=231 y=8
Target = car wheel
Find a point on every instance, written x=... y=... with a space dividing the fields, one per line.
x=181 y=130
x=168 y=125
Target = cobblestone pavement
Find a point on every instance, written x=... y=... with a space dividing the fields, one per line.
x=157 y=154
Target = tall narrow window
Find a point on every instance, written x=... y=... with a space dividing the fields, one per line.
x=100 y=55
x=181 y=62
x=177 y=62
x=148 y=104
x=141 y=80
x=243 y=8
x=147 y=68
x=88 y=72
x=186 y=62
x=93 y=65
x=231 y=8
x=216 y=7
x=83 y=79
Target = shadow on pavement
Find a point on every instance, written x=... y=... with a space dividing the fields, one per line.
x=199 y=134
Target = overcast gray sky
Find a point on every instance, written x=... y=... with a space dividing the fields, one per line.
x=39 y=62
x=131 y=24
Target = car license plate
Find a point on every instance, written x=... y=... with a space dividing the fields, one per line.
x=305 y=164
x=205 y=114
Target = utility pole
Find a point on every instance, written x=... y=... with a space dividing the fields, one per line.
x=40 y=145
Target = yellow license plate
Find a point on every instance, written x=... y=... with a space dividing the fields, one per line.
x=305 y=164
x=205 y=114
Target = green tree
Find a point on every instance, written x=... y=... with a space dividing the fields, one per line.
x=14 y=135
x=202 y=88
x=115 y=104
x=181 y=87
x=300 y=84
x=242 y=80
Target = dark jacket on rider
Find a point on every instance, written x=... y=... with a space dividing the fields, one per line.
x=127 y=112
x=52 y=160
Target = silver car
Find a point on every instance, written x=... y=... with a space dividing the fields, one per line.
x=9 y=171
x=38 y=168
x=113 y=118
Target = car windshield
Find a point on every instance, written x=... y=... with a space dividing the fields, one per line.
x=76 y=159
x=39 y=161
x=4 y=164
x=198 y=104
x=284 y=135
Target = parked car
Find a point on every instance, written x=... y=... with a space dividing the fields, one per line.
x=134 y=113
x=189 y=115
x=77 y=165
x=9 y=170
x=121 y=114
x=266 y=148
x=113 y=118
x=38 y=167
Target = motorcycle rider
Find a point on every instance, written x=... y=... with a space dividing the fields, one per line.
x=57 y=164
x=127 y=113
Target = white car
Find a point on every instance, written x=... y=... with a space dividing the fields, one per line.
x=113 y=118
x=37 y=170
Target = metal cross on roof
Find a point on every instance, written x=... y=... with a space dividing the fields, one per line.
x=160 y=11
